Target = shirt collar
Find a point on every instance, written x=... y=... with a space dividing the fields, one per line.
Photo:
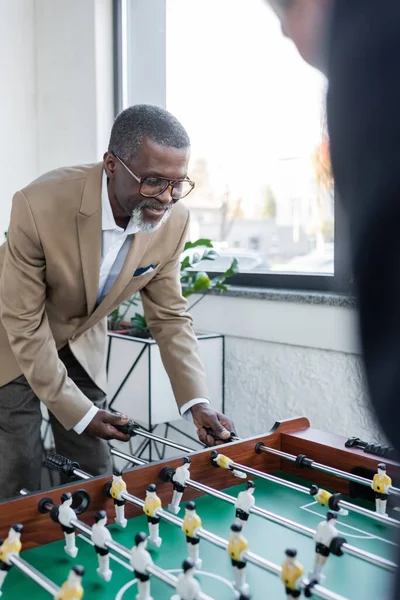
x=108 y=221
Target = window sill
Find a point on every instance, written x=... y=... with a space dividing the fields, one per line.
x=281 y=295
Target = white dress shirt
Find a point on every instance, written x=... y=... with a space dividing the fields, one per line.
x=114 y=249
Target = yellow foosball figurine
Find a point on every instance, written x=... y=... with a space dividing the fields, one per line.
x=72 y=589
x=152 y=504
x=237 y=547
x=220 y=460
x=191 y=524
x=11 y=546
x=381 y=484
x=118 y=486
x=325 y=498
x=292 y=572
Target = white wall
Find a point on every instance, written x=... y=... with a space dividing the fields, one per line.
x=285 y=359
x=17 y=101
x=56 y=106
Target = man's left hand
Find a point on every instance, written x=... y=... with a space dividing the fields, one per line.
x=206 y=418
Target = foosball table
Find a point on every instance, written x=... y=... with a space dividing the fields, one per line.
x=290 y=513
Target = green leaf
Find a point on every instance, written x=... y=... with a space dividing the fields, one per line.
x=202 y=242
x=185 y=264
x=139 y=322
x=221 y=287
x=233 y=269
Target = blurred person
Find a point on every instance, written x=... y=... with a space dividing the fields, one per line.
x=356 y=43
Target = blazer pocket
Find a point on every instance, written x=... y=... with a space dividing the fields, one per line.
x=141 y=271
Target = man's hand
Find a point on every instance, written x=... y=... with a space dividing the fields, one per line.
x=104 y=423
x=205 y=417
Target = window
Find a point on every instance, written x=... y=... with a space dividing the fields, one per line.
x=255 y=114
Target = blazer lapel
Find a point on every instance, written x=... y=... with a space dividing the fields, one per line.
x=136 y=251
x=89 y=233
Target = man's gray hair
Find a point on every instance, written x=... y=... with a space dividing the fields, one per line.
x=144 y=120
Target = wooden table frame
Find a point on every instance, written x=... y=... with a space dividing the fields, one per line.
x=294 y=436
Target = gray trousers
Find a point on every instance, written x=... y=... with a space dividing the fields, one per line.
x=20 y=423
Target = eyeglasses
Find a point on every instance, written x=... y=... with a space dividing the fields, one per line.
x=151 y=187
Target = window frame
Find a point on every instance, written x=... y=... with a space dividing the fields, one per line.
x=340 y=281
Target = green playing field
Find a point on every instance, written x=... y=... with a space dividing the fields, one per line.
x=349 y=576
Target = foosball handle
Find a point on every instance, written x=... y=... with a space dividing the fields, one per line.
x=130 y=428
x=60 y=463
x=232 y=438
x=370 y=448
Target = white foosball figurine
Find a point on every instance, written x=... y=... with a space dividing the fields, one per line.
x=152 y=504
x=327 y=541
x=191 y=525
x=65 y=516
x=11 y=546
x=179 y=479
x=291 y=576
x=381 y=484
x=118 y=486
x=188 y=588
x=220 y=460
x=244 y=502
x=325 y=498
x=140 y=561
x=72 y=589
x=101 y=535
x=237 y=547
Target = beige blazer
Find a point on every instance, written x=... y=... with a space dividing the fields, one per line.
x=49 y=272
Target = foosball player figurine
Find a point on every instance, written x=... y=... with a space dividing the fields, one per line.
x=220 y=460
x=65 y=515
x=327 y=541
x=140 y=561
x=191 y=525
x=325 y=498
x=118 y=486
x=244 y=502
x=72 y=589
x=152 y=504
x=101 y=535
x=237 y=547
x=11 y=546
x=380 y=484
x=179 y=479
x=187 y=587
x=292 y=572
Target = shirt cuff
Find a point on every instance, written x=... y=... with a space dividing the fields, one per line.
x=83 y=423
x=185 y=411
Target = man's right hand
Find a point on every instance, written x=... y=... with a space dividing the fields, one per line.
x=104 y=423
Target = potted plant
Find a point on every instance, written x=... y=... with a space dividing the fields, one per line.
x=193 y=282
x=137 y=381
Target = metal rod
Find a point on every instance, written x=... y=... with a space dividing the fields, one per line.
x=366 y=556
x=35 y=575
x=161 y=440
x=82 y=474
x=304 y=490
x=128 y=457
x=325 y=469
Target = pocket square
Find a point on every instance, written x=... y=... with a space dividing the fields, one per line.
x=144 y=270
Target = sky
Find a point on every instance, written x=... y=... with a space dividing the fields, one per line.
x=241 y=90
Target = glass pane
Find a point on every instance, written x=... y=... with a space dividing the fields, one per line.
x=255 y=114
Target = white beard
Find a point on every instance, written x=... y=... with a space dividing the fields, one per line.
x=141 y=225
